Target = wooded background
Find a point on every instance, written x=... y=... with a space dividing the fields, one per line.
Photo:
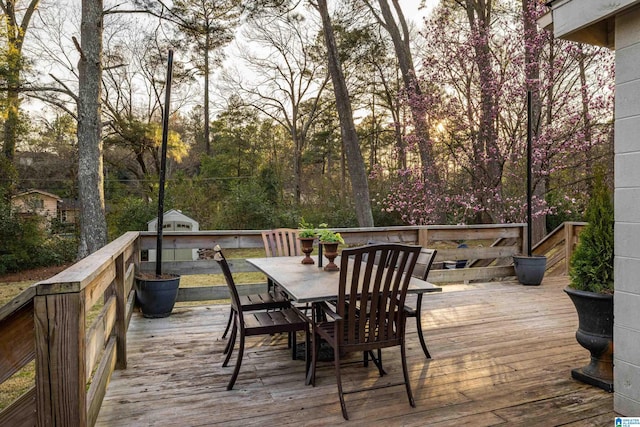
x=396 y=122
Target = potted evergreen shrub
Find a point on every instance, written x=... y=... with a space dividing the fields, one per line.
x=591 y=288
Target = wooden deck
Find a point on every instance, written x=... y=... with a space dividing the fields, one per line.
x=502 y=354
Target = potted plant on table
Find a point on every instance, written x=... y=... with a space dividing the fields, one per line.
x=306 y=234
x=330 y=241
x=591 y=288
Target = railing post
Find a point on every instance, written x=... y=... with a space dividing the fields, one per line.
x=60 y=359
x=120 y=326
x=423 y=237
x=569 y=240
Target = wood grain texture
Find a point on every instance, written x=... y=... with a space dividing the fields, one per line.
x=502 y=354
x=22 y=412
x=16 y=340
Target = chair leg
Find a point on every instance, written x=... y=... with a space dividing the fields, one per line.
x=307 y=351
x=407 y=384
x=230 y=345
x=419 y=326
x=292 y=340
x=336 y=362
x=315 y=346
x=376 y=360
x=236 y=370
x=228 y=324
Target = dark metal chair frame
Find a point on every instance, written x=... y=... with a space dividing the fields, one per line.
x=421 y=271
x=427 y=256
x=245 y=324
x=382 y=289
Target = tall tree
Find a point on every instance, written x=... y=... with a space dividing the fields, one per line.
x=206 y=26
x=398 y=30
x=93 y=225
x=287 y=81
x=357 y=172
x=17 y=18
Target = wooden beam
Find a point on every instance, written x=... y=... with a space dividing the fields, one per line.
x=22 y=412
x=100 y=382
x=60 y=360
x=17 y=346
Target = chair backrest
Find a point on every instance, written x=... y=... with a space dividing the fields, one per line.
x=231 y=284
x=281 y=242
x=381 y=288
x=424 y=263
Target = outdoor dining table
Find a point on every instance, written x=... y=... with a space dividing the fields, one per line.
x=307 y=283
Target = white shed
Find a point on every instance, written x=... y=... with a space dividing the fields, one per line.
x=174 y=220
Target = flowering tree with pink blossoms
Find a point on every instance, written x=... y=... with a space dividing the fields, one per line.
x=483 y=61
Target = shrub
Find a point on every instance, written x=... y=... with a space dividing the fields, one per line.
x=27 y=245
x=591 y=266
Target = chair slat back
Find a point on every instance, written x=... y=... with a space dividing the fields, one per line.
x=281 y=242
x=228 y=277
x=376 y=277
x=424 y=263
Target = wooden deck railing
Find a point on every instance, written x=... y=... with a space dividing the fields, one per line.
x=75 y=357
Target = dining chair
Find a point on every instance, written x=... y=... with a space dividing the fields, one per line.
x=251 y=323
x=382 y=288
x=281 y=242
x=252 y=302
x=421 y=271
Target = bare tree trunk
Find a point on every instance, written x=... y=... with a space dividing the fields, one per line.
x=16 y=32
x=207 y=120
x=400 y=38
x=93 y=226
x=486 y=150
x=357 y=172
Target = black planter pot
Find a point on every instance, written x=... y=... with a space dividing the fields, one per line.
x=530 y=269
x=595 y=333
x=157 y=296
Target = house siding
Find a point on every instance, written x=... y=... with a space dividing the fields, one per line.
x=627 y=214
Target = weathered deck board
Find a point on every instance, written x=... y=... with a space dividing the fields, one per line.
x=502 y=354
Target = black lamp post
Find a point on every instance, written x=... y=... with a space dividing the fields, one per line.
x=163 y=163
x=529 y=268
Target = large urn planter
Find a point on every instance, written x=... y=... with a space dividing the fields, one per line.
x=156 y=296
x=530 y=269
x=306 y=245
x=595 y=333
x=331 y=252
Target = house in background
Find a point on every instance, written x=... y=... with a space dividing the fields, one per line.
x=47 y=205
x=616 y=25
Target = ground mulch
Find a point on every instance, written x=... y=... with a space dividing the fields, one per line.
x=39 y=273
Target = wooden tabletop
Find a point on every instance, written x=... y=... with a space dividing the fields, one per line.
x=309 y=283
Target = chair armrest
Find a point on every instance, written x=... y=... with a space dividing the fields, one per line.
x=329 y=311
x=410 y=311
